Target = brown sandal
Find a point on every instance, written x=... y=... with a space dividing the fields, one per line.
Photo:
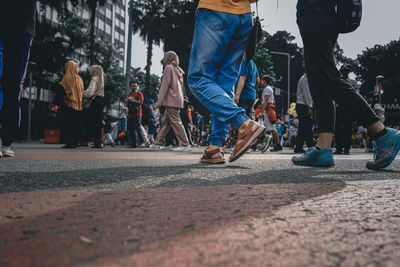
x=207 y=156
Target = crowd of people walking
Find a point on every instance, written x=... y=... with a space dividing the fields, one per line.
x=225 y=79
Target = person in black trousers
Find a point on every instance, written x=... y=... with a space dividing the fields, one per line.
x=344 y=120
x=317 y=21
x=17 y=29
x=94 y=94
x=71 y=105
x=304 y=109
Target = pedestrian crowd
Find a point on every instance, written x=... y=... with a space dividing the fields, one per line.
x=329 y=111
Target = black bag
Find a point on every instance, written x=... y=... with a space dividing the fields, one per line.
x=255 y=38
x=133 y=108
x=87 y=102
x=146 y=114
x=58 y=98
x=348 y=15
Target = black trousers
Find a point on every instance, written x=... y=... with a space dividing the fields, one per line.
x=188 y=132
x=343 y=129
x=326 y=85
x=133 y=128
x=304 y=132
x=247 y=104
x=14 y=53
x=71 y=125
x=94 y=124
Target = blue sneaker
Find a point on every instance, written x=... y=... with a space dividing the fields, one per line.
x=314 y=157
x=385 y=149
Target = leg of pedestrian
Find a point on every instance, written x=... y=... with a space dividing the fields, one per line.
x=326 y=85
x=14 y=53
x=221 y=44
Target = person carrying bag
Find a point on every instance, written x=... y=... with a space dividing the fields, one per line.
x=94 y=103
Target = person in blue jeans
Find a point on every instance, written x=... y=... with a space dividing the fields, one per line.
x=317 y=23
x=17 y=28
x=221 y=33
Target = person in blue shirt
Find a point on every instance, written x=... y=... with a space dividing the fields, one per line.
x=246 y=86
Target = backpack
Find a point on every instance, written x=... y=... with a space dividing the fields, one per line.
x=133 y=108
x=348 y=15
x=145 y=114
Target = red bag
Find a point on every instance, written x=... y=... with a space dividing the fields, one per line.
x=257 y=112
x=271 y=112
x=121 y=135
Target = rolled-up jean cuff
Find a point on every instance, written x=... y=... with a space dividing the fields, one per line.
x=238 y=120
x=217 y=142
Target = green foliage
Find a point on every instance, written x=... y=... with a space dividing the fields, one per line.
x=263 y=60
x=54 y=45
x=342 y=59
x=57 y=43
x=136 y=74
x=282 y=41
x=381 y=60
x=149 y=22
x=92 y=5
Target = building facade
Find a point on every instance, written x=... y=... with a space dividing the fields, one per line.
x=111 y=21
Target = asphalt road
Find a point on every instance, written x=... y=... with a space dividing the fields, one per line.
x=136 y=207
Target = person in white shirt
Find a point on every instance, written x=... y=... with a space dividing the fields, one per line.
x=344 y=118
x=268 y=108
x=378 y=109
x=304 y=109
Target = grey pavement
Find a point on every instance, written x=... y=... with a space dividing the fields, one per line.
x=166 y=209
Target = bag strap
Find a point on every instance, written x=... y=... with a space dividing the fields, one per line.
x=257 y=8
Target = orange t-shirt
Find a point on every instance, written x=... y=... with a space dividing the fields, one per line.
x=238 y=7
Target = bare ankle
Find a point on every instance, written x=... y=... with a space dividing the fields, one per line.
x=212 y=147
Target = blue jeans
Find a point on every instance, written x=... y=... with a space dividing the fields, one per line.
x=14 y=54
x=219 y=42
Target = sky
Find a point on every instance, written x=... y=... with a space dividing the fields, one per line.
x=380 y=24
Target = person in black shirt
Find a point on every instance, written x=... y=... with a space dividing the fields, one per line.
x=17 y=29
x=318 y=28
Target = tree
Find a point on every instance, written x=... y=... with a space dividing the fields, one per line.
x=263 y=59
x=381 y=60
x=283 y=41
x=92 y=5
x=54 y=45
x=149 y=21
x=342 y=59
x=140 y=77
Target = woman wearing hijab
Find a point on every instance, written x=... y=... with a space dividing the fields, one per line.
x=93 y=96
x=170 y=96
x=73 y=86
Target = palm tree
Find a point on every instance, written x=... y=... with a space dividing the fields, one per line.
x=92 y=5
x=149 y=22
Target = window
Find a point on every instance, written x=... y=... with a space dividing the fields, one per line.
x=101 y=24
x=108 y=29
x=48 y=13
x=85 y=14
x=108 y=13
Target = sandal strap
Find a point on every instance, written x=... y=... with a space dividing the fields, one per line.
x=209 y=154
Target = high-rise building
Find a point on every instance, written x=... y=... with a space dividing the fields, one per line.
x=110 y=22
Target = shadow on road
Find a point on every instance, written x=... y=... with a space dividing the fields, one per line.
x=161 y=226
x=179 y=175
x=184 y=175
